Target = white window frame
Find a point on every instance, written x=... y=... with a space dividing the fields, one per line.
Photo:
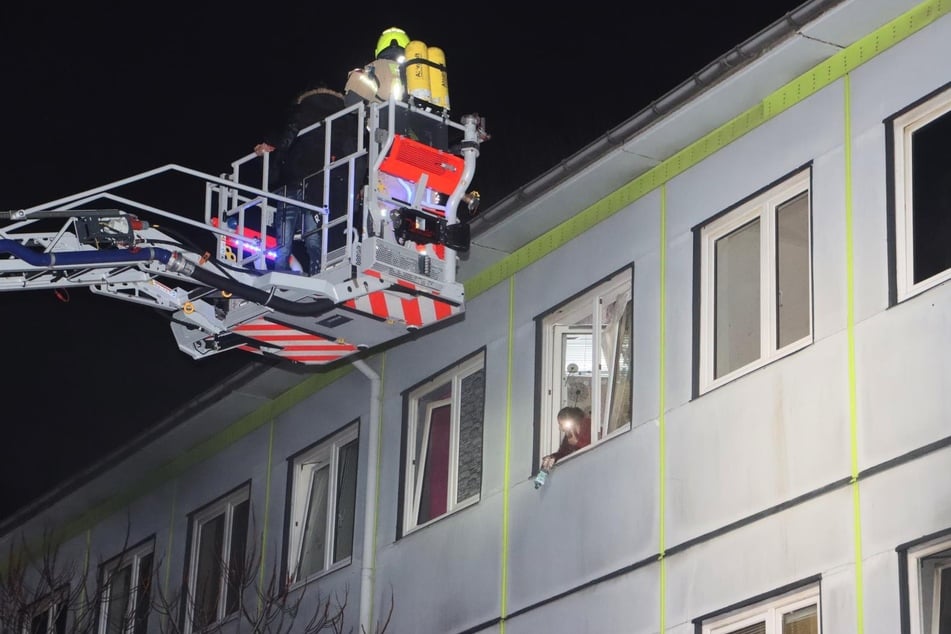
x=131 y=559
x=226 y=507
x=324 y=455
x=919 y=587
x=414 y=463
x=770 y=612
x=554 y=361
x=762 y=208
x=51 y=605
x=903 y=127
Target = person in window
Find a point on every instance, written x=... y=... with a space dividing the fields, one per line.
x=576 y=427
x=295 y=172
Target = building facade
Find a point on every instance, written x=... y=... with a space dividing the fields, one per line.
x=747 y=296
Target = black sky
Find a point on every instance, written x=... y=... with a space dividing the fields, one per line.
x=95 y=92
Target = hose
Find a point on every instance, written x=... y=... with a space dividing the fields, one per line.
x=175 y=262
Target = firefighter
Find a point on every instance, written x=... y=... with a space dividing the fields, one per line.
x=380 y=79
x=297 y=171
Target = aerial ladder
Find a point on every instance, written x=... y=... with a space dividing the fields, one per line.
x=389 y=258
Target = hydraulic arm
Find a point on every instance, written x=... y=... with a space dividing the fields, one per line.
x=388 y=261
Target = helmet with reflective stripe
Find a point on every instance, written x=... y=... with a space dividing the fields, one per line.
x=393 y=36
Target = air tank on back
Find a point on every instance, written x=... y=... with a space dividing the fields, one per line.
x=426 y=76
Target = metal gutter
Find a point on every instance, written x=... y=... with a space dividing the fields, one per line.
x=710 y=75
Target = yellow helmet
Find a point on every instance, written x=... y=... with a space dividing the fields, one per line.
x=393 y=36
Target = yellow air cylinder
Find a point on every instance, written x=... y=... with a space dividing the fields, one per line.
x=418 y=77
x=438 y=79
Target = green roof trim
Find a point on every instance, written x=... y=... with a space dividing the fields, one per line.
x=809 y=83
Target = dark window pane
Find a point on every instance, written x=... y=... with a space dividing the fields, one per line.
x=931 y=198
x=120 y=585
x=143 y=595
x=346 y=500
x=208 y=576
x=39 y=623
x=59 y=627
x=944 y=610
x=236 y=563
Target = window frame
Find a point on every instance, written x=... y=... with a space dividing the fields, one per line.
x=224 y=506
x=303 y=466
x=562 y=320
x=769 y=611
x=55 y=605
x=133 y=558
x=761 y=207
x=912 y=582
x=903 y=125
x=413 y=470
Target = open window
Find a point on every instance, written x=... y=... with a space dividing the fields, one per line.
x=586 y=360
x=217 y=550
x=755 y=282
x=921 y=173
x=125 y=593
x=323 y=501
x=444 y=443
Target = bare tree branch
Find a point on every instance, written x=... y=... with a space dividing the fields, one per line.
x=42 y=585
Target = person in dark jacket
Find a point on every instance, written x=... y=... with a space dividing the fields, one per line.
x=296 y=164
x=576 y=427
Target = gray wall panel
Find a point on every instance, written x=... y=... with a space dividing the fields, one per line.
x=765 y=438
x=903 y=365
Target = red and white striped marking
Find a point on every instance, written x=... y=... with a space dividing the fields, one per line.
x=414 y=311
x=293 y=344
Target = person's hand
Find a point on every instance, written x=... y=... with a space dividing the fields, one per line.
x=548 y=462
x=263 y=148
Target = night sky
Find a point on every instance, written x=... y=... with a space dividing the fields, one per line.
x=94 y=92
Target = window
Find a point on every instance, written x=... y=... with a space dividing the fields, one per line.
x=928 y=567
x=444 y=443
x=125 y=592
x=922 y=178
x=48 y=615
x=219 y=535
x=586 y=360
x=323 y=499
x=793 y=613
x=755 y=283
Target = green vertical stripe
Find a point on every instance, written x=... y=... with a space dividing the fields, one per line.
x=662 y=406
x=850 y=326
x=503 y=602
